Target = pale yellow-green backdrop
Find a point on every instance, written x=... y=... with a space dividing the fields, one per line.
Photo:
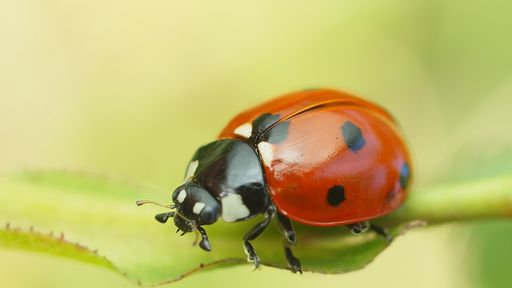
x=132 y=88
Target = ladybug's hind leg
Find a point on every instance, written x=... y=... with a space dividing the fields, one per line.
x=254 y=233
x=360 y=227
x=382 y=232
x=291 y=239
x=293 y=262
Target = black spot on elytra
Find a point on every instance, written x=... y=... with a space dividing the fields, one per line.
x=336 y=195
x=353 y=136
x=404 y=176
x=276 y=134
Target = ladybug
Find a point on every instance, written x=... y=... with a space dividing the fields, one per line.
x=319 y=157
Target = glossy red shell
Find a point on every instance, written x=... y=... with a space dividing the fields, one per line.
x=314 y=157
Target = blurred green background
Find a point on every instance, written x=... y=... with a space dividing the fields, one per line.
x=131 y=89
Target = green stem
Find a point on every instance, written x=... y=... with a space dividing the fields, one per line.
x=491 y=198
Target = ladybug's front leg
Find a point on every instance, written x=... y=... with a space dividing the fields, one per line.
x=254 y=233
x=291 y=240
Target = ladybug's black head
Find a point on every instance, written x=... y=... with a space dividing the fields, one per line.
x=194 y=207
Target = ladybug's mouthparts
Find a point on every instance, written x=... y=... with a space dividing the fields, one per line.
x=184 y=225
x=182 y=222
x=163 y=217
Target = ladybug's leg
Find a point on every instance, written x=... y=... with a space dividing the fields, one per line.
x=358 y=228
x=291 y=239
x=204 y=243
x=382 y=232
x=254 y=233
x=361 y=227
x=293 y=262
x=286 y=227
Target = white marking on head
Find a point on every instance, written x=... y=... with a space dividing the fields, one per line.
x=198 y=207
x=244 y=130
x=233 y=208
x=191 y=169
x=182 y=196
x=267 y=152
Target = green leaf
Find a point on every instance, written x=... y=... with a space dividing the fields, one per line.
x=100 y=214
x=47 y=243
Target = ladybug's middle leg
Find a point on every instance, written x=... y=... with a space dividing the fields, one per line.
x=291 y=239
x=254 y=233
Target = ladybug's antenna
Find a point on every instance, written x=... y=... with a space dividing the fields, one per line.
x=142 y=202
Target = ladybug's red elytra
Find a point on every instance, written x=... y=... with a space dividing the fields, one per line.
x=319 y=157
